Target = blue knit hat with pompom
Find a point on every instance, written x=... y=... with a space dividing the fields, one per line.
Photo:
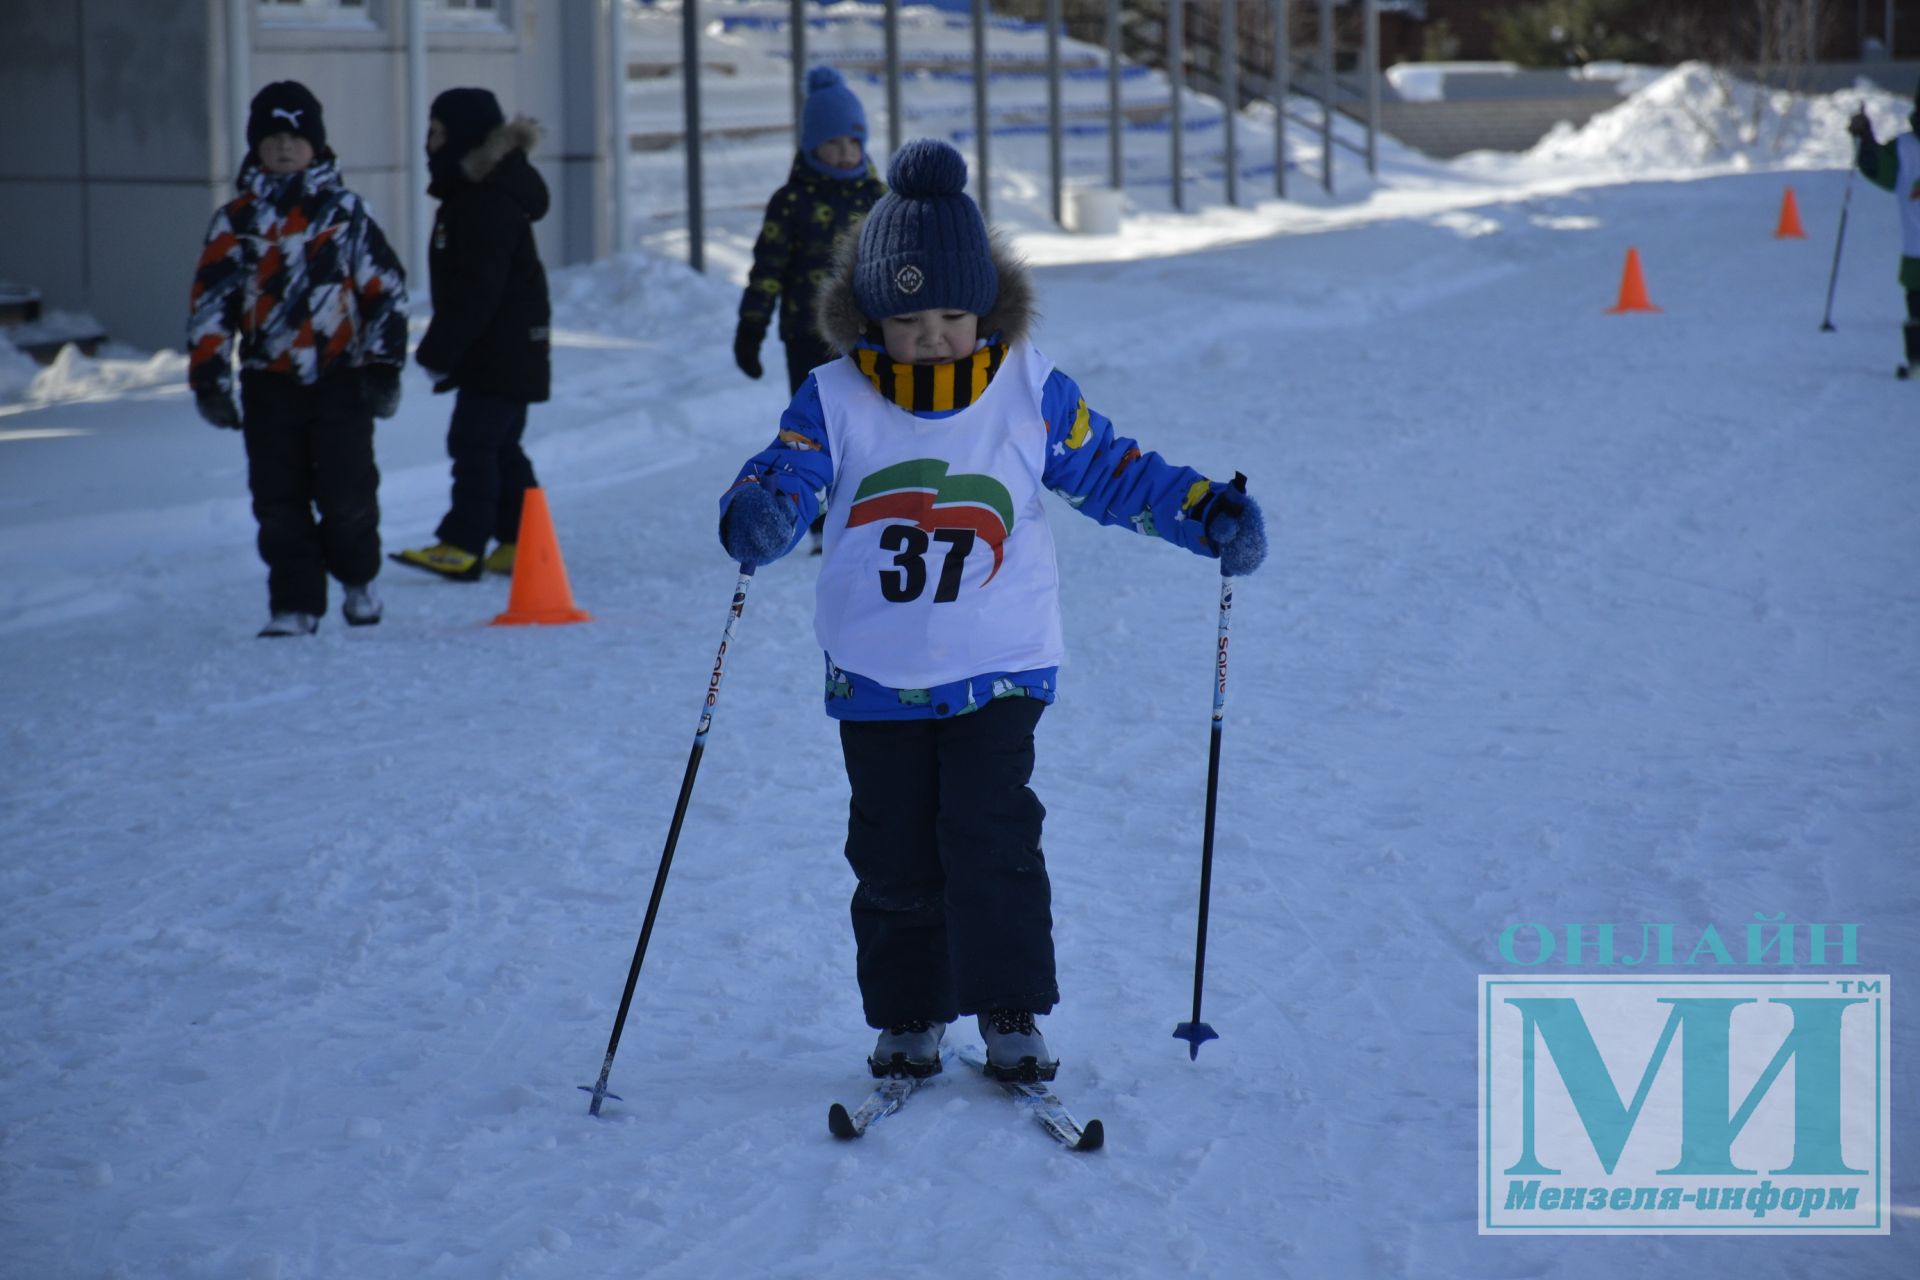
x=925 y=245
x=830 y=111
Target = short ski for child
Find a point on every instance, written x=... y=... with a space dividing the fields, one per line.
x=887 y=1097
x=1040 y=1101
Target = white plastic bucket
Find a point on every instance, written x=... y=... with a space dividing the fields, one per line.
x=1093 y=211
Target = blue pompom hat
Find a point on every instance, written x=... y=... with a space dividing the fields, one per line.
x=831 y=111
x=925 y=245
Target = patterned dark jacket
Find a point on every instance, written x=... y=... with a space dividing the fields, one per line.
x=299 y=271
x=794 y=255
x=491 y=312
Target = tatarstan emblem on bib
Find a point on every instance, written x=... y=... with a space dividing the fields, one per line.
x=923 y=494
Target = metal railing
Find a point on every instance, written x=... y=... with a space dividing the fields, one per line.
x=1236 y=51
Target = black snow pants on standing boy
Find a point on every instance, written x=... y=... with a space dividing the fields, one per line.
x=953 y=913
x=311 y=448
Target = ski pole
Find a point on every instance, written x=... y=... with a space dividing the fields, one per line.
x=1833 y=277
x=1196 y=1032
x=599 y=1087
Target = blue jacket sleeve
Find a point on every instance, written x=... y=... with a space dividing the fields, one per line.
x=797 y=465
x=1108 y=478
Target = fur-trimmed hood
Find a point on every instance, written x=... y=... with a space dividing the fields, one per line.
x=838 y=318
x=522 y=133
x=500 y=163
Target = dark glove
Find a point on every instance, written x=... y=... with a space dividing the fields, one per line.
x=757 y=526
x=746 y=348
x=1861 y=127
x=218 y=409
x=380 y=390
x=1236 y=526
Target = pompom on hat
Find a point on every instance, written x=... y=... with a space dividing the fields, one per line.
x=286 y=106
x=924 y=246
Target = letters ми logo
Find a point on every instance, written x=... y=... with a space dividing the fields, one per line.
x=1684 y=1105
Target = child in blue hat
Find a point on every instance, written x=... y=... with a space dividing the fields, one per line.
x=830 y=186
x=931 y=444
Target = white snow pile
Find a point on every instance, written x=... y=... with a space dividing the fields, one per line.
x=1697 y=115
x=116 y=370
x=639 y=295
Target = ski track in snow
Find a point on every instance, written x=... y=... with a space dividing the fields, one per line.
x=1570 y=617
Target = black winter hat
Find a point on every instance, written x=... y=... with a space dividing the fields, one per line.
x=286 y=106
x=468 y=116
x=925 y=245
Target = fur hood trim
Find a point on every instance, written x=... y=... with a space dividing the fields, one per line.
x=521 y=133
x=838 y=318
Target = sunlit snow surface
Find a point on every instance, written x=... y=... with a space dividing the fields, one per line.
x=1570 y=617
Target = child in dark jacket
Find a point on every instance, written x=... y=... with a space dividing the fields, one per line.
x=1895 y=166
x=830 y=187
x=489 y=340
x=936 y=437
x=298 y=269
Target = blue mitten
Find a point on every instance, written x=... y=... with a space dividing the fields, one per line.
x=1236 y=526
x=757 y=526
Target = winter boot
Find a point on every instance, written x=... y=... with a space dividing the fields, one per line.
x=819 y=531
x=287 y=623
x=501 y=561
x=361 y=608
x=1015 y=1049
x=910 y=1049
x=1912 y=365
x=444 y=559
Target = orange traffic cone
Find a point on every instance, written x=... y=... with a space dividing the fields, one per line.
x=1633 y=288
x=1789 y=228
x=540 y=592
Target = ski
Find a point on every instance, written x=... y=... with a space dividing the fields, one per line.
x=1039 y=1100
x=887 y=1097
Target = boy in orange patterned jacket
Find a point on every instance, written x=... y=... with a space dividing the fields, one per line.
x=298 y=270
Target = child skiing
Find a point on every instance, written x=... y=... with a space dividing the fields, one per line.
x=829 y=188
x=1895 y=166
x=488 y=341
x=296 y=266
x=938 y=601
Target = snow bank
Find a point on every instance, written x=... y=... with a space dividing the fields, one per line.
x=1699 y=115
x=72 y=376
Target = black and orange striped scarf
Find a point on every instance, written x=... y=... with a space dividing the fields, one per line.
x=931 y=387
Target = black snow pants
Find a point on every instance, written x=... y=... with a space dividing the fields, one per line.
x=308 y=448
x=491 y=473
x=953 y=913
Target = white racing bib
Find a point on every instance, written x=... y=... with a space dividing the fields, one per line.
x=938 y=563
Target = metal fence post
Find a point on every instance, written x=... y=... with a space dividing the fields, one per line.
x=1326 y=95
x=797 y=19
x=1177 y=79
x=617 y=102
x=1282 y=87
x=893 y=77
x=1115 y=160
x=982 y=186
x=1230 y=93
x=1055 y=165
x=690 y=76
x=1370 y=15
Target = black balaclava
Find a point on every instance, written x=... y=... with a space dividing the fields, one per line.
x=468 y=116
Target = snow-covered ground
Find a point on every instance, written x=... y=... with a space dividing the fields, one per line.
x=1571 y=617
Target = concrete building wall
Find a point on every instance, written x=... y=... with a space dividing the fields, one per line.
x=116 y=143
x=106 y=137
